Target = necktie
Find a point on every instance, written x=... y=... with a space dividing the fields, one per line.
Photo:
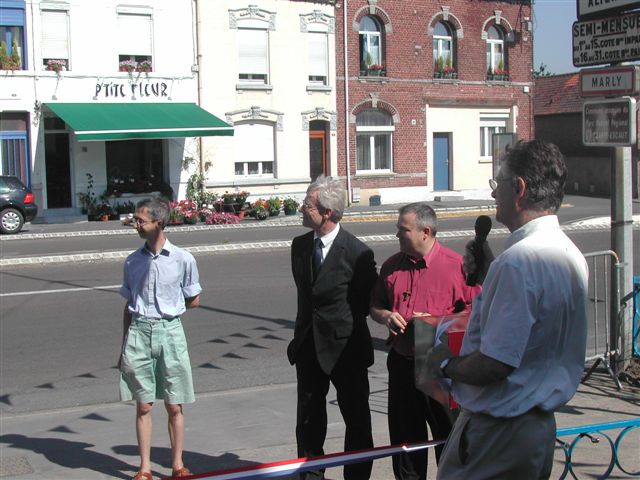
x=317 y=256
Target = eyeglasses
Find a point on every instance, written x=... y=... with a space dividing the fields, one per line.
x=140 y=221
x=493 y=182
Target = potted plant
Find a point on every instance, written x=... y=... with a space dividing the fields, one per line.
x=222 y=218
x=10 y=62
x=103 y=211
x=260 y=209
x=376 y=70
x=448 y=70
x=128 y=66
x=273 y=205
x=501 y=73
x=88 y=199
x=144 y=66
x=176 y=217
x=439 y=68
x=290 y=206
x=56 y=65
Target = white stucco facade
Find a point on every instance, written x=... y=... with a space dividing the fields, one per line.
x=277 y=111
x=95 y=43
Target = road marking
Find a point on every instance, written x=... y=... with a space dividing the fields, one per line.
x=60 y=290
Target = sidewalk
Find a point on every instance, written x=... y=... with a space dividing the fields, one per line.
x=256 y=425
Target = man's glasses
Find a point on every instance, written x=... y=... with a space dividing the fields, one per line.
x=493 y=182
x=140 y=221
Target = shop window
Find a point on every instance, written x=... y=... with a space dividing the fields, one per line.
x=135 y=166
x=443 y=51
x=318 y=58
x=371 y=47
x=14 y=156
x=374 y=141
x=497 y=68
x=55 y=40
x=255 y=150
x=253 y=52
x=489 y=125
x=12 y=46
x=135 y=42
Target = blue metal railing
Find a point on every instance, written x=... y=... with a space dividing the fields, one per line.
x=588 y=431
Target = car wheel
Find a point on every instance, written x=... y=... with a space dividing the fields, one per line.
x=11 y=221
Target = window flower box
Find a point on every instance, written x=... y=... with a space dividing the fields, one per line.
x=128 y=66
x=56 y=65
x=144 y=66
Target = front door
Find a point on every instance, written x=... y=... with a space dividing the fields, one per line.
x=441 y=161
x=317 y=155
x=56 y=151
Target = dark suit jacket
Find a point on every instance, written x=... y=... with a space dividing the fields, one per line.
x=336 y=305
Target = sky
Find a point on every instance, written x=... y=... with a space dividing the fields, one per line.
x=552 y=20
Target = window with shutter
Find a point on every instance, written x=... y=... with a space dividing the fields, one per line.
x=55 y=39
x=135 y=42
x=318 y=58
x=254 y=149
x=253 y=51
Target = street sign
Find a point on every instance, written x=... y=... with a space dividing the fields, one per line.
x=610 y=81
x=609 y=123
x=591 y=7
x=606 y=40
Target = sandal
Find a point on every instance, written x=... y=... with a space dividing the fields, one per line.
x=143 y=476
x=181 y=472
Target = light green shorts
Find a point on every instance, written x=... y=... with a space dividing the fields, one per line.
x=155 y=363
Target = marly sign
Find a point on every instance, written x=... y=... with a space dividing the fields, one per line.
x=124 y=90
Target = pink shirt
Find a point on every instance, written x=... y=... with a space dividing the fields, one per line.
x=432 y=284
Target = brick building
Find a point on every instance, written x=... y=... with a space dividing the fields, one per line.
x=428 y=86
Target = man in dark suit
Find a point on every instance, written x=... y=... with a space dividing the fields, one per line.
x=334 y=273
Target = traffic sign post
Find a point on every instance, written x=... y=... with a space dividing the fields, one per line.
x=588 y=8
x=610 y=81
x=606 y=40
x=609 y=123
x=612 y=122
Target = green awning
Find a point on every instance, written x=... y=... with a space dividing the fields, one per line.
x=127 y=121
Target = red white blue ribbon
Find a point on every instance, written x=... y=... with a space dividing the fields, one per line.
x=298 y=465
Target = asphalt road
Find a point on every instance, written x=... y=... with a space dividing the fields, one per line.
x=61 y=324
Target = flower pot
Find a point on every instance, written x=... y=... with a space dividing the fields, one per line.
x=104 y=218
x=291 y=211
x=262 y=215
x=274 y=213
x=241 y=214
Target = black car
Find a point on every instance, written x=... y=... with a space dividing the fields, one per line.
x=16 y=205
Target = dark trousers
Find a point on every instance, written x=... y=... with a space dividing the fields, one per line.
x=410 y=410
x=352 y=387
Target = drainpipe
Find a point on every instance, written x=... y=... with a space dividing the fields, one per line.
x=197 y=55
x=346 y=99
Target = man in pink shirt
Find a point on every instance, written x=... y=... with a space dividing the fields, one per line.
x=423 y=278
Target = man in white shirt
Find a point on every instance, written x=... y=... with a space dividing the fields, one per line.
x=523 y=353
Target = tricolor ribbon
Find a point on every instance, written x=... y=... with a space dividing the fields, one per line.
x=297 y=465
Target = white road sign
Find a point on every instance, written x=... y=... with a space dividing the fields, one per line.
x=606 y=40
x=590 y=7
x=610 y=81
x=609 y=123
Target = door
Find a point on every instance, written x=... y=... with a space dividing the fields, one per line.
x=441 y=161
x=317 y=153
x=56 y=151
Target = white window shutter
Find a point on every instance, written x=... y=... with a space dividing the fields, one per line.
x=253 y=142
x=55 y=34
x=134 y=33
x=318 y=54
x=253 y=49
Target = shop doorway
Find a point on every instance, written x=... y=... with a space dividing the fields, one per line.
x=317 y=149
x=58 y=164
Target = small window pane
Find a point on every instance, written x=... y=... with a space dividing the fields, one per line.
x=382 y=151
x=364 y=152
x=369 y=24
x=441 y=30
x=493 y=33
x=373 y=117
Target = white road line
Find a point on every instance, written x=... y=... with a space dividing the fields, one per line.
x=60 y=290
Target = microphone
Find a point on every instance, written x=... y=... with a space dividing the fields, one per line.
x=482 y=227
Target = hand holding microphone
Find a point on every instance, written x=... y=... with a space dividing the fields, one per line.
x=478 y=255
